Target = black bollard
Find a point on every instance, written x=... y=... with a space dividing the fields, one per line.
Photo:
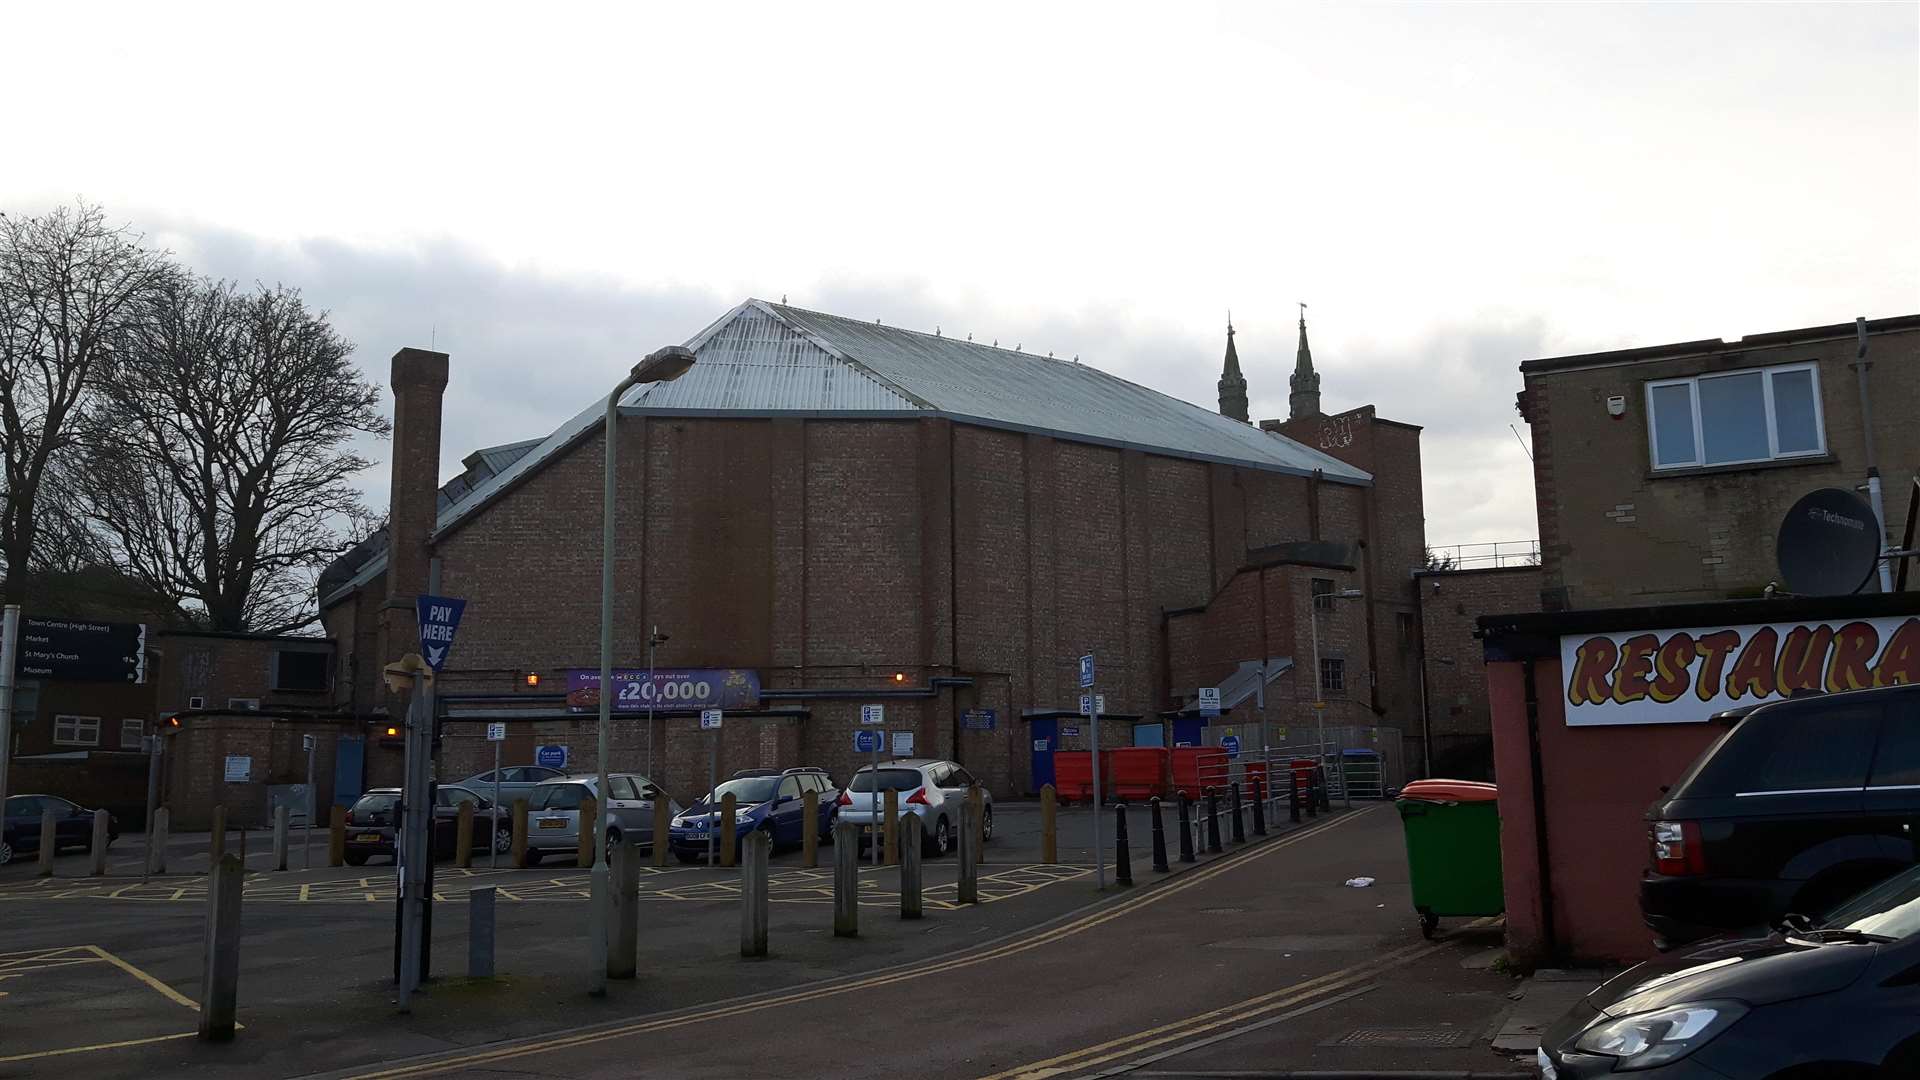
x=1239 y=822
x=1326 y=797
x=1122 y=861
x=1259 y=808
x=1313 y=791
x=1159 y=840
x=1213 y=822
x=1293 y=796
x=1186 y=829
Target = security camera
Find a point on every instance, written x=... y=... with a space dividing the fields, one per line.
x=1436 y=586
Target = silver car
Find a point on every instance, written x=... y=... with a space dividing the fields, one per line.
x=932 y=788
x=516 y=782
x=553 y=812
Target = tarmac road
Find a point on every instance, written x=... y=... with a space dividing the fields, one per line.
x=1218 y=965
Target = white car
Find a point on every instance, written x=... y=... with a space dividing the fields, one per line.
x=553 y=812
x=930 y=787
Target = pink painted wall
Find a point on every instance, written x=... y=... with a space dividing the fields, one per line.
x=1597 y=783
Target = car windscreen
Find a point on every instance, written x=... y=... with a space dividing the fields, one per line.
x=749 y=789
x=1788 y=749
x=1889 y=909
x=890 y=780
x=375 y=804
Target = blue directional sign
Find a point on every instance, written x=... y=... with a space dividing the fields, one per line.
x=439 y=617
x=1086 y=671
x=1231 y=744
x=866 y=741
x=553 y=757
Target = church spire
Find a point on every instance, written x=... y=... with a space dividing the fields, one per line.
x=1304 y=383
x=1233 y=385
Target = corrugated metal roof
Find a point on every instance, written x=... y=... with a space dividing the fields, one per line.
x=771 y=358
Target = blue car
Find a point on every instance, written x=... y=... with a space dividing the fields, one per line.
x=763 y=799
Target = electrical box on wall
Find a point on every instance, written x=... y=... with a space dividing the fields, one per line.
x=1617 y=406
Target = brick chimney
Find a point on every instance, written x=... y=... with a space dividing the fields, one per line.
x=419 y=379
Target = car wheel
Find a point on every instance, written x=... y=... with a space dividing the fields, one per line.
x=941 y=840
x=986 y=825
x=503 y=839
x=6 y=853
x=773 y=838
x=356 y=858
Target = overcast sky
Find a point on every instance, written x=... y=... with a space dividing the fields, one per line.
x=548 y=192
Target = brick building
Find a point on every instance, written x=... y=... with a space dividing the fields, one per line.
x=1459 y=723
x=832 y=513
x=1661 y=474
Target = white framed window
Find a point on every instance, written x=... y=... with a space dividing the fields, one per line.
x=131 y=732
x=1736 y=417
x=76 y=730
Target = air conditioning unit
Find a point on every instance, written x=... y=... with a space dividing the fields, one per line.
x=196 y=703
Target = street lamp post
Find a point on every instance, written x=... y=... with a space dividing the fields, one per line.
x=661 y=365
x=654 y=641
x=1319 y=684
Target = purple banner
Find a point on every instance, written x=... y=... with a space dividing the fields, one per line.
x=671 y=688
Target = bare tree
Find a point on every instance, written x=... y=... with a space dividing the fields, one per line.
x=71 y=287
x=222 y=460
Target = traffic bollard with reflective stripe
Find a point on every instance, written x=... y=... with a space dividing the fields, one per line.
x=1122 y=860
x=1186 y=828
x=846 y=879
x=1259 y=808
x=1159 y=840
x=1213 y=822
x=1239 y=822
x=910 y=877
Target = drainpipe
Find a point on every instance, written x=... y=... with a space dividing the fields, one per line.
x=1861 y=366
x=1550 y=947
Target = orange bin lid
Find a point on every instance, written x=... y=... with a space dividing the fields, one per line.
x=1450 y=791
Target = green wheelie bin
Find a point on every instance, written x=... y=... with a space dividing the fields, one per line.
x=1453 y=849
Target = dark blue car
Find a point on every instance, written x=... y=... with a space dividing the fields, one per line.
x=72 y=825
x=763 y=799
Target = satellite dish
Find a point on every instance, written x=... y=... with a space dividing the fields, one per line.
x=1829 y=543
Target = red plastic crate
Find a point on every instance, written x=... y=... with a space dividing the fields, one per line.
x=1137 y=772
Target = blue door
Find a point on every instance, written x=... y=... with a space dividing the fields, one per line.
x=1046 y=737
x=349 y=767
x=1186 y=730
x=1154 y=734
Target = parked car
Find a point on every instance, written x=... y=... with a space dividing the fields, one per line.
x=72 y=826
x=516 y=782
x=553 y=812
x=1800 y=805
x=1840 y=998
x=370 y=823
x=767 y=799
x=932 y=788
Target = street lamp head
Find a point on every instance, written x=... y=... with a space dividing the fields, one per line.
x=664 y=364
x=1351 y=594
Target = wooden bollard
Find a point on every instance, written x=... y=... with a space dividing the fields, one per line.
x=977 y=795
x=49 y=838
x=846 y=879
x=337 y=836
x=890 y=838
x=217 y=840
x=969 y=854
x=97 y=851
x=463 y=835
x=662 y=828
x=157 y=841
x=220 y=974
x=810 y=829
x=589 y=831
x=910 y=877
x=519 y=834
x=1049 y=828
x=753 y=895
x=728 y=840
x=279 y=838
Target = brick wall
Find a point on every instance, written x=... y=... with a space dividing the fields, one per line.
x=218 y=668
x=1457 y=709
x=196 y=757
x=1614 y=533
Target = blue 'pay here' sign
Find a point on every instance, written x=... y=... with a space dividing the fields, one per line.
x=439 y=617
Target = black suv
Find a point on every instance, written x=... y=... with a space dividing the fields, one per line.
x=1803 y=804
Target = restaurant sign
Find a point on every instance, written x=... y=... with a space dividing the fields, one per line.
x=1685 y=676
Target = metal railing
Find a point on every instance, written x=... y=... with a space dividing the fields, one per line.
x=1482 y=556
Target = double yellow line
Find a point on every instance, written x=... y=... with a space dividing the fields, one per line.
x=915 y=970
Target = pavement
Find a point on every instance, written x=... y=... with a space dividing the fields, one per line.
x=1259 y=959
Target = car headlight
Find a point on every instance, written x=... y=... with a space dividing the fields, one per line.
x=1647 y=1039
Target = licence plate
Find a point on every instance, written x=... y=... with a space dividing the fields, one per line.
x=553 y=823
x=368 y=838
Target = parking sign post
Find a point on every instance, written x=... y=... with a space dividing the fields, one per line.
x=710 y=722
x=496 y=734
x=875 y=714
x=1093 y=723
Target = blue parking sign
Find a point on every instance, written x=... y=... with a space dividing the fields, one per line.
x=1231 y=744
x=1086 y=671
x=866 y=741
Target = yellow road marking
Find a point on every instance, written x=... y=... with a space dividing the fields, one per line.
x=96 y=1046
x=1186 y=881
x=165 y=991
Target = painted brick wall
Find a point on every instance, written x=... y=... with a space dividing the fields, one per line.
x=1457 y=707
